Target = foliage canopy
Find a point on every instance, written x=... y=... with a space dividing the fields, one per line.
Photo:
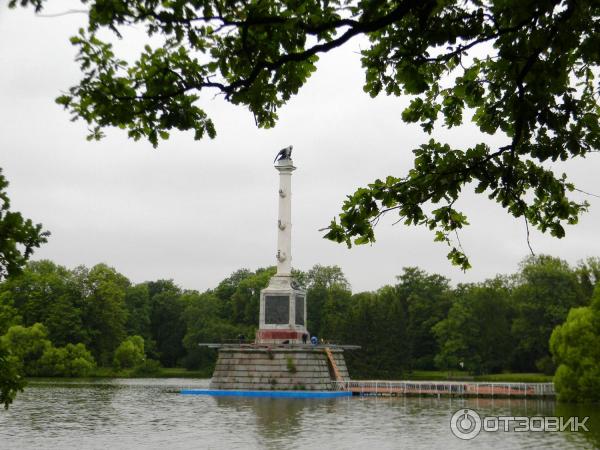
x=18 y=236
x=522 y=69
x=576 y=348
x=11 y=379
x=130 y=353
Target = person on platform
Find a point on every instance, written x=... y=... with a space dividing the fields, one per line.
x=314 y=340
x=304 y=338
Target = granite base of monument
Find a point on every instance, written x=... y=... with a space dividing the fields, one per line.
x=278 y=368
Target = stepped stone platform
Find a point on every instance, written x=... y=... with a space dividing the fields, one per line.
x=295 y=367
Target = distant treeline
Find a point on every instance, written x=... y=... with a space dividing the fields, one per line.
x=64 y=322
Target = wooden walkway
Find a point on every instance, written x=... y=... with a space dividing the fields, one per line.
x=446 y=388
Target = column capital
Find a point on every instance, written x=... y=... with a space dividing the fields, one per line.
x=285 y=165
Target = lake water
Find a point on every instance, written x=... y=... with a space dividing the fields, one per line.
x=151 y=414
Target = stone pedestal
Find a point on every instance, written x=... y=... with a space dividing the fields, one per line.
x=263 y=368
x=282 y=312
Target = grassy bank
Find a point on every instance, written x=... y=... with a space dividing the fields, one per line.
x=438 y=375
x=163 y=372
x=416 y=375
x=517 y=378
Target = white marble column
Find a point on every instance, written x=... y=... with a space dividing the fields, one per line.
x=284 y=222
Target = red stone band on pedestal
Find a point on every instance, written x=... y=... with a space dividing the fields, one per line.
x=272 y=335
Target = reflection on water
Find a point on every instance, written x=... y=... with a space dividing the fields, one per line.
x=150 y=413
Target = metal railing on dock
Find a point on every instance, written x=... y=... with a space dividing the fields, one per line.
x=446 y=388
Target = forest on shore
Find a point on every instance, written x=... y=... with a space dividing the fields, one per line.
x=69 y=322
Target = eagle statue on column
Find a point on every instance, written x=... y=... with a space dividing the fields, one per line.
x=284 y=153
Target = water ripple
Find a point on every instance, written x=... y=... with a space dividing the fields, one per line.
x=151 y=414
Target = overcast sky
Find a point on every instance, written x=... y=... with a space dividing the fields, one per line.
x=196 y=211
